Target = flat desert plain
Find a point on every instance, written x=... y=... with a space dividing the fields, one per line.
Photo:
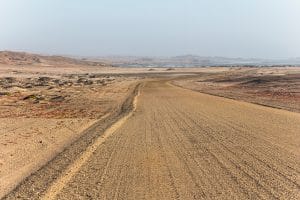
x=76 y=130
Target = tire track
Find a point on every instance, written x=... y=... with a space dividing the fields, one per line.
x=232 y=155
x=35 y=186
x=59 y=184
x=246 y=163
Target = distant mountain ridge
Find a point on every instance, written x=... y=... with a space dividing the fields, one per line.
x=191 y=61
x=23 y=58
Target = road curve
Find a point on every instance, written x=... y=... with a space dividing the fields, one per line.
x=180 y=144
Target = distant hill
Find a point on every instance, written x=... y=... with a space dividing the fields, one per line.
x=191 y=61
x=22 y=58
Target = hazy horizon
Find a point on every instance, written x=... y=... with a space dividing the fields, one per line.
x=237 y=29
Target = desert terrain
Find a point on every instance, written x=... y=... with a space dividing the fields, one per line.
x=277 y=87
x=79 y=129
x=43 y=109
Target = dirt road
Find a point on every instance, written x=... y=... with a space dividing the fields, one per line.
x=180 y=144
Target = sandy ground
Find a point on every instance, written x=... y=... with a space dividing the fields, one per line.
x=179 y=140
x=31 y=70
x=28 y=143
x=40 y=115
x=180 y=144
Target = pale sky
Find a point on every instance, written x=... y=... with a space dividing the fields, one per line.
x=230 y=28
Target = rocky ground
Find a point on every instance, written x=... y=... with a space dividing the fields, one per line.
x=274 y=86
x=69 y=96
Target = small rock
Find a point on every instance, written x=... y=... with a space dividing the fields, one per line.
x=34 y=97
x=57 y=99
x=4 y=93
